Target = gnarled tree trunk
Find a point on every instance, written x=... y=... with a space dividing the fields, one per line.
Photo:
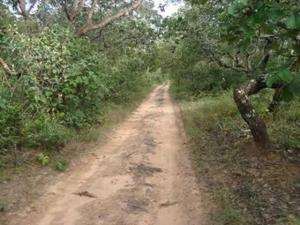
x=256 y=124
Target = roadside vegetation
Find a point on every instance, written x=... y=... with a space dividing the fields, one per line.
x=62 y=72
x=234 y=69
x=248 y=187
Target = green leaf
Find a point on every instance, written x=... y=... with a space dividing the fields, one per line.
x=272 y=79
x=61 y=165
x=293 y=22
x=43 y=159
x=285 y=75
x=231 y=10
x=2 y=103
x=276 y=13
x=243 y=2
x=287 y=94
x=295 y=85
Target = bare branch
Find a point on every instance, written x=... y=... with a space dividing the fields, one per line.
x=248 y=61
x=6 y=68
x=223 y=64
x=65 y=9
x=262 y=65
x=264 y=61
x=32 y=6
x=107 y=20
x=22 y=8
x=91 y=11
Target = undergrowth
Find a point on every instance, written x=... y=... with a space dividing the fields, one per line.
x=58 y=157
x=248 y=187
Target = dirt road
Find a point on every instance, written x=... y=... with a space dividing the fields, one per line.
x=141 y=176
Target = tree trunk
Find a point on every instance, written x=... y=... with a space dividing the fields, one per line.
x=256 y=124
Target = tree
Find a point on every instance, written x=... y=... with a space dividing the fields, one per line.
x=93 y=10
x=258 y=39
x=277 y=26
x=84 y=15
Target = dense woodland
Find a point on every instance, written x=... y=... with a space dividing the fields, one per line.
x=233 y=67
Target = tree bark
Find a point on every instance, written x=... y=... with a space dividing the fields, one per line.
x=256 y=124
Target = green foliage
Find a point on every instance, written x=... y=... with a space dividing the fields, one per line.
x=45 y=132
x=234 y=36
x=293 y=21
x=284 y=129
x=248 y=24
x=62 y=83
x=238 y=41
x=43 y=159
x=282 y=76
x=61 y=165
x=201 y=78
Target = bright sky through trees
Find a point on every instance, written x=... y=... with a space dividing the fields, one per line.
x=170 y=7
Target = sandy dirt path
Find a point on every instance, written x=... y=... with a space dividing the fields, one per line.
x=141 y=176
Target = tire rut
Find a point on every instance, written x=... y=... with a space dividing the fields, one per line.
x=141 y=176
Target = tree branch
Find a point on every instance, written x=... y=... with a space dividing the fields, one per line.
x=91 y=12
x=264 y=61
x=6 y=68
x=32 y=6
x=77 y=6
x=107 y=20
x=22 y=8
x=262 y=65
x=257 y=126
x=64 y=6
x=222 y=64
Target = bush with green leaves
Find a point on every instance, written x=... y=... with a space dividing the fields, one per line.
x=60 y=83
x=61 y=165
x=43 y=159
x=202 y=78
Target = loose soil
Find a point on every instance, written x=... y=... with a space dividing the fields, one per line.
x=142 y=175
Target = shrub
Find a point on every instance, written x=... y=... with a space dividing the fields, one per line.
x=61 y=84
x=61 y=165
x=202 y=78
x=43 y=159
x=45 y=132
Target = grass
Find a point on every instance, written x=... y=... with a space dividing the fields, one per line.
x=248 y=187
